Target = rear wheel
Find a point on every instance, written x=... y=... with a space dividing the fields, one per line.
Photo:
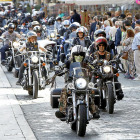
x=81 y=120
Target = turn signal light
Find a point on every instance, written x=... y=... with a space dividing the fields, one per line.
x=25 y=64
x=117 y=74
x=92 y=91
x=43 y=64
x=96 y=77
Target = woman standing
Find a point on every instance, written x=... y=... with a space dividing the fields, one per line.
x=128 y=43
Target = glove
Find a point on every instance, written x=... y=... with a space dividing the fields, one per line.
x=59 y=73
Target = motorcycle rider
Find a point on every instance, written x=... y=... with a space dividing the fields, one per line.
x=11 y=36
x=35 y=23
x=58 y=23
x=97 y=33
x=14 y=21
x=13 y=14
x=38 y=31
x=31 y=45
x=77 y=55
x=50 y=25
x=101 y=53
x=81 y=39
x=64 y=29
x=30 y=28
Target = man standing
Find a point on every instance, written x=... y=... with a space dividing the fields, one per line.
x=117 y=14
x=136 y=49
x=75 y=17
x=61 y=14
x=118 y=37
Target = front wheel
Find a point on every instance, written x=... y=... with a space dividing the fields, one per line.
x=110 y=98
x=81 y=120
x=35 y=85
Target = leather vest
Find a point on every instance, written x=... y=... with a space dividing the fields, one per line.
x=107 y=55
x=32 y=47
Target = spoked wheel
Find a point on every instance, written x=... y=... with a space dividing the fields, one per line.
x=81 y=120
x=35 y=85
x=110 y=98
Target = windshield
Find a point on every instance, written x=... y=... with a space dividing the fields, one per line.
x=78 y=70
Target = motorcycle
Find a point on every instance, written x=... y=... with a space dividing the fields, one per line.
x=78 y=88
x=104 y=78
x=33 y=76
x=12 y=59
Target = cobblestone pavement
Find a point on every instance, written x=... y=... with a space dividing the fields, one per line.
x=123 y=124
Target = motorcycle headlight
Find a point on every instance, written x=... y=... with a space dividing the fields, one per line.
x=70 y=86
x=16 y=45
x=107 y=69
x=90 y=85
x=52 y=35
x=81 y=83
x=34 y=59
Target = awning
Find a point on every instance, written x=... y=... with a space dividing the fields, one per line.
x=98 y=2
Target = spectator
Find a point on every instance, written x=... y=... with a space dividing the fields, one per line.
x=123 y=16
x=75 y=17
x=127 y=24
x=136 y=49
x=137 y=18
x=124 y=62
x=92 y=29
x=128 y=48
x=129 y=15
x=103 y=19
x=137 y=23
x=117 y=14
x=61 y=14
x=107 y=28
x=112 y=34
x=118 y=38
x=108 y=15
x=42 y=8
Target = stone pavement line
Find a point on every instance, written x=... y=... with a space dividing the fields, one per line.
x=3 y=79
x=13 y=125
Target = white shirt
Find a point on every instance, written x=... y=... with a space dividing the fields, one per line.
x=107 y=29
x=112 y=32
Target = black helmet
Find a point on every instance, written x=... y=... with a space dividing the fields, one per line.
x=15 y=21
x=51 y=21
x=100 y=40
x=11 y=25
x=58 y=18
x=100 y=31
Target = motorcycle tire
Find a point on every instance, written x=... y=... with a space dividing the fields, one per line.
x=73 y=126
x=30 y=92
x=110 y=99
x=82 y=120
x=35 y=85
x=18 y=62
x=9 y=68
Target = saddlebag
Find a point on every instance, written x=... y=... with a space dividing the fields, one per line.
x=55 y=95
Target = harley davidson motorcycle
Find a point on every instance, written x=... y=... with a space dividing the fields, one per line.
x=79 y=89
x=12 y=59
x=33 y=77
x=104 y=78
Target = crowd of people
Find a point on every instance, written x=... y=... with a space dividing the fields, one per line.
x=122 y=33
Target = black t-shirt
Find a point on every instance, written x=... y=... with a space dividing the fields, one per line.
x=101 y=56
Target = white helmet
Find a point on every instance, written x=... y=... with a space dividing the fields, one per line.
x=66 y=22
x=78 y=53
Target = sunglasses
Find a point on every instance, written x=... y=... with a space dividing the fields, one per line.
x=102 y=45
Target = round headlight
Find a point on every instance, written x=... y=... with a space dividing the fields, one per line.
x=107 y=69
x=16 y=45
x=90 y=85
x=52 y=35
x=81 y=83
x=70 y=86
x=34 y=59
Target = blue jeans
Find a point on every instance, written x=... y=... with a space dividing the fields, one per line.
x=66 y=46
x=58 y=54
x=3 y=50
